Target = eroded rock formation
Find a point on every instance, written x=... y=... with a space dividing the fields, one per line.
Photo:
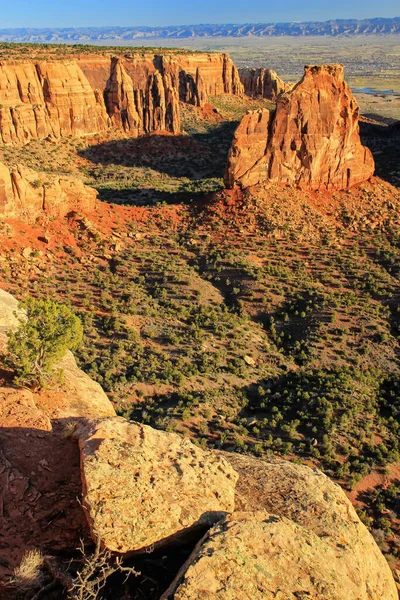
x=263 y=83
x=26 y=195
x=143 y=486
x=311 y=140
x=139 y=93
x=261 y=555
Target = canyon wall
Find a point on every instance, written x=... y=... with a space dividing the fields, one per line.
x=26 y=195
x=263 y=83
x=87 y=94
x=312 y=139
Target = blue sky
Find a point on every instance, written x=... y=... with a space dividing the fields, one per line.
x=74 y=13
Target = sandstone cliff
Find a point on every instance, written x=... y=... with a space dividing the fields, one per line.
x=263 y=83
x=26 y=195
x=311 y=140
x=138 y=93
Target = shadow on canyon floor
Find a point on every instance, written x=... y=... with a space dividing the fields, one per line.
x=159 y=167
x=163 y=168
x=193 y=156
x=383 y=141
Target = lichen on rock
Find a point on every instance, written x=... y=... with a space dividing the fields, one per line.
x=143 y=486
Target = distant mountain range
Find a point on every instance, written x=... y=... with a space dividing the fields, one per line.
x=120 y=34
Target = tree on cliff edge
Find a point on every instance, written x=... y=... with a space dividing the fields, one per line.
x=41 y=340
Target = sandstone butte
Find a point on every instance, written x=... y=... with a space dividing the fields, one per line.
x=312 y=139
x=138 y=93
x=272 y=528
x=263 y=83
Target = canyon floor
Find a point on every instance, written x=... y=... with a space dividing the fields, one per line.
x=265 y=324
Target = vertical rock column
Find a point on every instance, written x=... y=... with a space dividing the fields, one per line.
x=311 y=140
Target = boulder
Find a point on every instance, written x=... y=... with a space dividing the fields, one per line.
x=295 y=535
x=318 y=508
x=143 y=487
x=262 y=556
x=312 y=139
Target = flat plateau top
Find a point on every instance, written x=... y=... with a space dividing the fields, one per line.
x=61 y=51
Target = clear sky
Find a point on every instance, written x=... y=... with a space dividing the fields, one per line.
x=75 y=13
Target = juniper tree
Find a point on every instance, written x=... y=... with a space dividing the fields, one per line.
x=41 y=340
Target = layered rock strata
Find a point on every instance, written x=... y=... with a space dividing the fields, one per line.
x=312 y=139
x=26 y=195
x=263 y=83
x=139 y=93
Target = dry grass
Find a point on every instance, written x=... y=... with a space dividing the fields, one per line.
x=28 y=574
x=69 y=429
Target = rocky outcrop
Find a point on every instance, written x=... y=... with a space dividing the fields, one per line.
x=9 y=312
x=261 y=555
x=138 y=93
x=40 y=482
x=296 y=536
x=311 y=140
x=143 y=487
x=263 y=83
x=313 y=502
x=267 y=529
x=26 y=195
x=291 y=531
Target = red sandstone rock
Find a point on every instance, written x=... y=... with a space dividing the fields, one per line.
x=312 y=140
x=263 y=83
x=139 y=93
x=25 y=195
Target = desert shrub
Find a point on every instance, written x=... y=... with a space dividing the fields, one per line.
x=42 y=338
x=28 y=574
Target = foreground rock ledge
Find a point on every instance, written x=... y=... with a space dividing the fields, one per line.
x=311 y=140
x=309 y=499
x=142 y=486
x=261 y=556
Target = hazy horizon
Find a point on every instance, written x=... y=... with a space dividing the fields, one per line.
x=99 y=13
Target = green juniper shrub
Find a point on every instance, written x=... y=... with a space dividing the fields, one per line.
x=42 y=338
